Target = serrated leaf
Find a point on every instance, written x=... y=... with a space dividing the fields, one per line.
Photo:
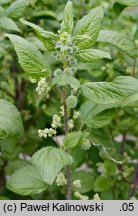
x=103 y=140
x=77 y=138
x=90 y=24
x=90 y=55
x=95 y=115
x=8 y=24
x=82 y=41
x=73 y=139
x=74 y=83
x=48 y=38
x=132 y=100
x=67 y=24
x=30 y=58
x=87 y=181
x=17 y=8
x=49 y=161
x=118 y=40
x=26 y=181
x=10 y=120
x=63 y=80
x=114 y=92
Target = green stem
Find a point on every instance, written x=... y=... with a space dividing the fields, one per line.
x=66 y=129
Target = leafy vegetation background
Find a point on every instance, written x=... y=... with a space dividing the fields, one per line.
x=98 y=170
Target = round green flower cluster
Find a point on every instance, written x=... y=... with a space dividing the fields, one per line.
x=56 y=121
x=72 y=101
x=80 y=196
x=43 y=87
x=77 y=183
x=96 y=197
x=71 y=124
x=61 y=180
x=47 y=132
x=65 y=50
x=76 y=115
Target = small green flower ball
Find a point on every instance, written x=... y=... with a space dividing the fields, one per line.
x=57 y=72
x=68 y=71
x=74 y=69
x=67 y=57
x=72 y=101
x=75 y=49
x=69 y=43
x=54 y=54
x=59 y=44
x=58 y=57
x=70 y=50
x=58 y=49
x=73 y=62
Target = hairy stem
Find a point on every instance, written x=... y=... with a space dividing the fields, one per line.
x=66 y=129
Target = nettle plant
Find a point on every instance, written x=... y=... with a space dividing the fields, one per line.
x=71 y=45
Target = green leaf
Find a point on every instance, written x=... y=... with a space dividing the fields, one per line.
x=132 y=100
x=95 y=115
x=82 y=41
x=26 y=181
x=10 y=120
x=90 y=24
x=90 y=55
x=73 y=139
x=2 y=12
x=114 y=92
x=2 y=2
x=8 y=24
x=30 y=58
x=128 y=2
x=77 y=138
x=67 y=24
x=118 y=40
x=16 y=9
x=118 y=8
x=44 y=14
x=87 y=181
x=48 y=38
x=64 y=79
x=110 y=168
x=49 y=161
x=103 y=140
x=10 y=149
x=15 y=165
x=102 y=183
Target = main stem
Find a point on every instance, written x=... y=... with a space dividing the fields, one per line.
x=66 y=129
